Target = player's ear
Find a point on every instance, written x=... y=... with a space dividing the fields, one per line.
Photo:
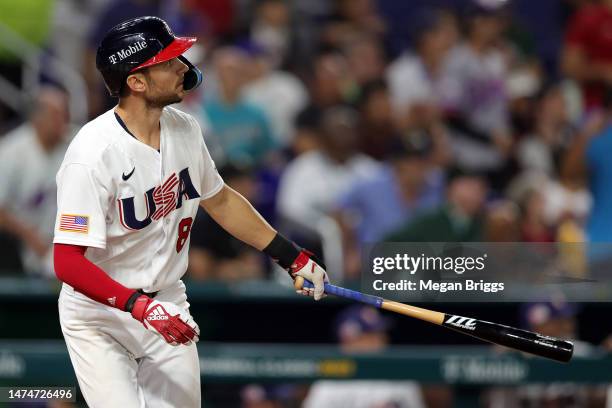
x=136 y=82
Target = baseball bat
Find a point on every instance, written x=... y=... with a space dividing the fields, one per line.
x=523 y=340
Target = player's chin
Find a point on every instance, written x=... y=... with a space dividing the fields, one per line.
x=175 y=98
x=180 y=93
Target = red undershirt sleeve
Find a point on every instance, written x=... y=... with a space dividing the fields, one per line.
x=73 y=268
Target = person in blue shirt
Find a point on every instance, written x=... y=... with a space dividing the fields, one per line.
x=405 y=186
x=599 y=226
x=241 y=130
x=588 y=160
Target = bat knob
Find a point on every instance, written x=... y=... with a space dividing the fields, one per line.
x=298 y=283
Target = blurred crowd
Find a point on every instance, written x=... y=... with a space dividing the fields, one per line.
x=346 y=123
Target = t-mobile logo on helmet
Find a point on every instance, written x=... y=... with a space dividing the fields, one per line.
x=126 y=52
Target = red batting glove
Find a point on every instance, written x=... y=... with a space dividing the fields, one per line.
x=306 y=266
x=168 y=320
x=298 y=262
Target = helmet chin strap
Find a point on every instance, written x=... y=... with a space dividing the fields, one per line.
x=193 y=77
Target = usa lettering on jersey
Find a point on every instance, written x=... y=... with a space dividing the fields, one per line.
x=160 y=200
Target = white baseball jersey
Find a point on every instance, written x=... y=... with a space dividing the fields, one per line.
x=131 y=204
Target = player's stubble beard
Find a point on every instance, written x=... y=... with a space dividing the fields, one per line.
x=158 y=98
x=161 y=100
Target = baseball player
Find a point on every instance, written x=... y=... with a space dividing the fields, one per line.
x=128 y=190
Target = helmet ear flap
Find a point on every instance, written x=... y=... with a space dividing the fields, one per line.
x=193 y=77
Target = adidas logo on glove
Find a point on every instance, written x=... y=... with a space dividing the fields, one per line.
x=158 y=314
x=157 y=317
x=165 y=319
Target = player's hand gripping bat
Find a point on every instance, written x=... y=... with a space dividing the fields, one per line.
x=523 y=340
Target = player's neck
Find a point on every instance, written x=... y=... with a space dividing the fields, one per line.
x=142 y=121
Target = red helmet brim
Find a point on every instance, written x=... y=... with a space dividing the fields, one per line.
x=175 y=49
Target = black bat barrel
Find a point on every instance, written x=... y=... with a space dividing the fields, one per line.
x=523 y=340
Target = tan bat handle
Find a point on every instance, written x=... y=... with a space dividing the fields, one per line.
x=413 y=311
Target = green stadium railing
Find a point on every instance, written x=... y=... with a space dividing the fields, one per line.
x=47 y=363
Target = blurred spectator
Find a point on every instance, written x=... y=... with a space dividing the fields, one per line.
x=361 y=329
x=365 y=59
x=214 y=253
x=409 y=183
x=541 y=150
x=476 y=97
x=30 y=156
x=280 y=94
x=271 y=30
x=376 y=127
x=562 y=202
x=353 y=18
x=502 y=223
x=524 y=87
x=238 y=131
x=257 y=396
x=587 y=54
x=271 y=396
x=569 y=7
x=534 y=226
x=204 y=20
x=459 y=220
x=313 y=182
x=219 y=14
x=416 y=80
x=329 y=83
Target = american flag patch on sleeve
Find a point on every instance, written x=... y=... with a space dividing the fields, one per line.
x=74 y=223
